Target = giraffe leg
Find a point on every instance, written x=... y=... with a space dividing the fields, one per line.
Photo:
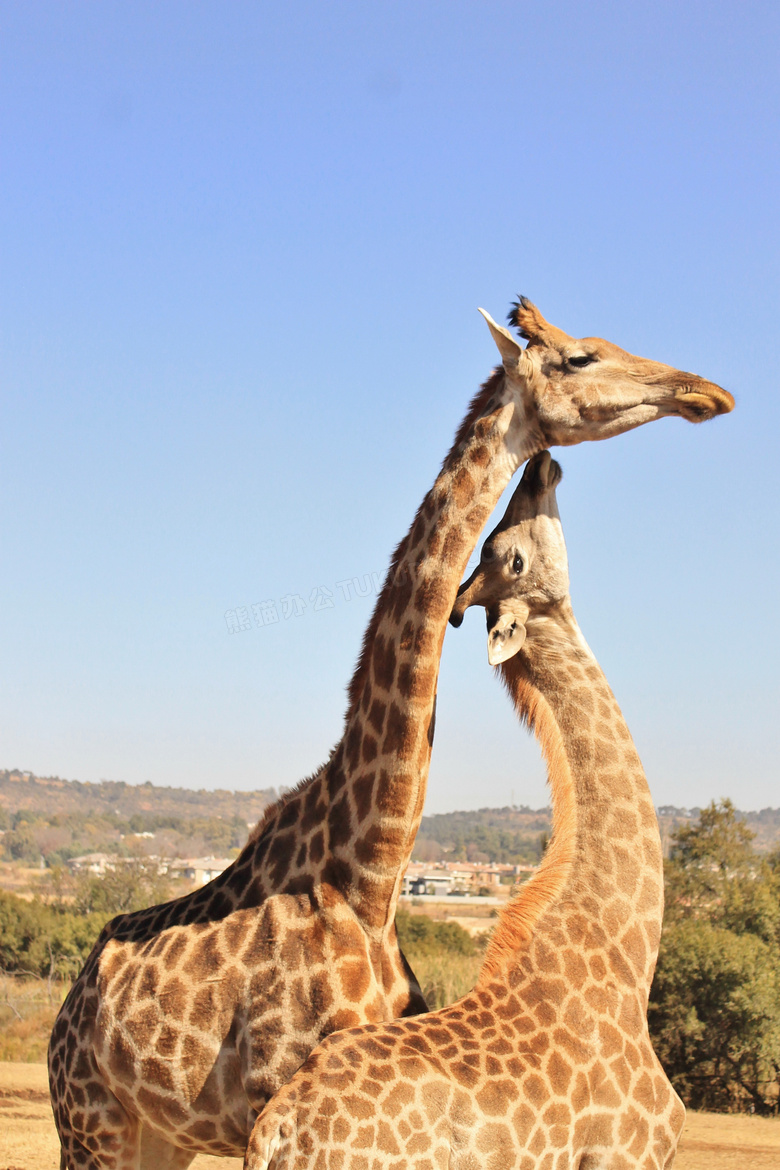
x=107 y=1146
x=137 y=1148
x=96 y=1132
x=270 y=1143
x=158 y=1154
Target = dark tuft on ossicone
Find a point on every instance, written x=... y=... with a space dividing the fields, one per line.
x=513 y=316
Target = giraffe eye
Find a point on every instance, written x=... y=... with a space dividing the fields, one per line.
x=579 y=360
x=518 y=564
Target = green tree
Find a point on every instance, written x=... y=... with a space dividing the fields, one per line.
x=718 y=841
x=420 y=935
x=19 y=844
x=37 y=939
x=714 y=1016
x=133 y=885
x=714 y=1008
x=713 y=875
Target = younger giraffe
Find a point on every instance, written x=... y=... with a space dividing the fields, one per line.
x=547 y=1063
x=188 y=1016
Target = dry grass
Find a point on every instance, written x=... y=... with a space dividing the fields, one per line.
x=28 y=1140
x=445 y=978
x=28 y=1007
x=27 y=1039
x=23 y=880
x=727 y=1141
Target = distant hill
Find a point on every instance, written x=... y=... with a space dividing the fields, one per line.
x=765 y=824
x=49 y=795
x=511 y=835
x=45 y=815
x=516 y=834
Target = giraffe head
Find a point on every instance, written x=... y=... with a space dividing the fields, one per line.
x=577 y=389
x=523 y=571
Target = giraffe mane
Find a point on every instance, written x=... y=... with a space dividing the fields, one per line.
x=476 y=409
x=519 y=918
x=270 y=811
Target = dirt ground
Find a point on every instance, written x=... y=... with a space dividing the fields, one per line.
x=28 y=1141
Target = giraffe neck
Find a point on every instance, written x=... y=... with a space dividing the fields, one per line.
x=377 y=777
x=602 y=878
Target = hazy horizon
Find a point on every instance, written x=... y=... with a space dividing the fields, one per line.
x=283 y=790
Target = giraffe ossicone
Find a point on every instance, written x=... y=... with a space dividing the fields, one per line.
x=188 y=1016
x=547 y=1064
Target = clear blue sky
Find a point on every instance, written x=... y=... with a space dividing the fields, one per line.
x=242 y=249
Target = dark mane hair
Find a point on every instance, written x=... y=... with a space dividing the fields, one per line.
x=476 y=409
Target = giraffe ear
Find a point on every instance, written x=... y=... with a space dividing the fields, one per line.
x=512 y=352
x=506 y=635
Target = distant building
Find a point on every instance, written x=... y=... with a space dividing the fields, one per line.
x=460 y=877
x=199 y=869
x=419 y=880
x=97 y=863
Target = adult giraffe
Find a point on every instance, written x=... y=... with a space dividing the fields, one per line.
x=547 y=1064
x=187 y=1017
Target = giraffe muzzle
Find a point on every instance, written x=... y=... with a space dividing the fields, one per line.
x=470 y=593
x=701 y=401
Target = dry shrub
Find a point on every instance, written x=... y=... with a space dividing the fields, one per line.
x=26 y=1039
x=28 y=1008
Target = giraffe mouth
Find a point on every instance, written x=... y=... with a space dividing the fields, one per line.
x=471 y=592
x=462 y=602
x=701 y=401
